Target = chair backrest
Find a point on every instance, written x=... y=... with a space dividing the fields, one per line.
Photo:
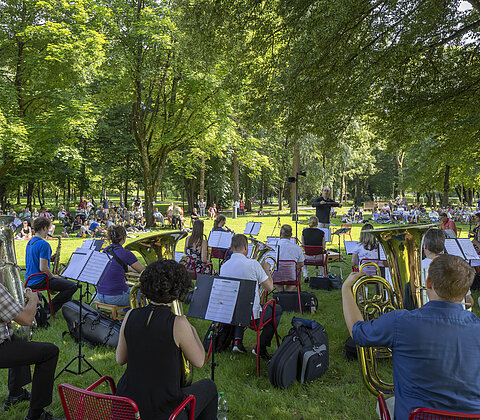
x=80 y=404
x=313 y=249
x=431 y=414
x=286 y=272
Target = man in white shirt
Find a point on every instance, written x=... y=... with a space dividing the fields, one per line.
x=289 y=251
x=241 y=267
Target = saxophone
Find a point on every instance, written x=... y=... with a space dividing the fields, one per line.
x=56 y=261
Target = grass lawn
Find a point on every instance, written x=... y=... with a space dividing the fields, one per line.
x=339 y=394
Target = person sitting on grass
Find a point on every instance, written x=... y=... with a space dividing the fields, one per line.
x=151 y=339
x=434 y=348
x=25 y=232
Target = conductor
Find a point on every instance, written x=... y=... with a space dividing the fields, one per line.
x=323 y=205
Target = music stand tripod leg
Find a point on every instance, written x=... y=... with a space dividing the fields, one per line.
x=214 y=364
x=79 y=357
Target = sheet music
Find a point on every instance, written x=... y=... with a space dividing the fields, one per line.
x=178 y=256
x=94 y=268
x=450 y=233
x=250 y=250
x=223 y=298
x=77 y=262
x=350 y=246
x=220 y=239
x=452 y=248
x=95 y=244
x=468 y=249
x=252 y=228
x=272 y=241
x=381 y=253
x=328 y=234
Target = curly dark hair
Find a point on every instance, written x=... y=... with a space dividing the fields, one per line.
x=164 y=281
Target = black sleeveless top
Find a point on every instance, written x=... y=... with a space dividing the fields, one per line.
x=313 y=236
x=152 y=378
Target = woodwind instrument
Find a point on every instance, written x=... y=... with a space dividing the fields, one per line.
x=56 y=269
x=152 y=248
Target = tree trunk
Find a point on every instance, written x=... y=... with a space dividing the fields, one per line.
x=342 y=187
x=190 y=190
x=399 y=157
x=30 y=186
x=281 y=191
x=202 y=178
x=68 y=191
x=236 y=174
x=357 y=191
x=293 y=185
x=434 y=199
x=127 y=180
x=446 y=187
x=262 y=190
x=41 y=200
x=470 y=197
x=19 y=193
x=248 y=194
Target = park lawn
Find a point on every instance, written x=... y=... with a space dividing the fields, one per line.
x=339 y=394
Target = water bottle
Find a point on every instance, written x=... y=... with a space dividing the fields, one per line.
x=222 y=407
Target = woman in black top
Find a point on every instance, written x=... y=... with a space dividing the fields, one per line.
x=150 y=342
x=312 y=236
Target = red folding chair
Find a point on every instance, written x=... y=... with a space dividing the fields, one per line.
x=432 y=414
x=382 y=407
x=83 y=404
x=287 y=274
x=257 y=327
x=47 y=289
x=189 y=264
x=315 y=256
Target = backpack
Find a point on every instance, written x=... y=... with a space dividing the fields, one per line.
x=224 y=335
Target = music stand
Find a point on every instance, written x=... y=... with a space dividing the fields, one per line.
x=90 y=265
x=222 y=299
x=277 y=223
x=341 y=231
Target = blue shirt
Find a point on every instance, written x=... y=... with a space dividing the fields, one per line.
x=436 y=361
x=93 y=226
x=36 y=248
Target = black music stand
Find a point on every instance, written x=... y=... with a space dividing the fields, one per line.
x=211 y=292
x=277 y=223
x=90 y=267
x=341 y=231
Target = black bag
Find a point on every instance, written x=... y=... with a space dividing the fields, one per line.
x=350 y=349
x=289 y=301
x=97 y=328
x=41 y=315
x=476 y=281
x=303 y=355
x=336 y=280
x=320 y=283
x=223 y=337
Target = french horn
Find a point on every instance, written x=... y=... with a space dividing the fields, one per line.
x=375 y=296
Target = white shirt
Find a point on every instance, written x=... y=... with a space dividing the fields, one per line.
x=366 y=254
x=290 y=251
x=241 y=267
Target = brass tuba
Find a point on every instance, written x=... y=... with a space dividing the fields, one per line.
x=9 y=270
x=152 y=248
x=375 y=296
x=262 y=253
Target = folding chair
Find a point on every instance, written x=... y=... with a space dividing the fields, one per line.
x=259 y=326
x=349 y=233
x=189 y=264
x=82 y=404
x=315 y=256
x=382 y=407
x=287 y=274
x=432 y=414
x=47 y=289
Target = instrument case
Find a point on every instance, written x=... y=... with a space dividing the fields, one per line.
x=322 y=283
x=97 y=328
x=289 y=301
x=303 y=356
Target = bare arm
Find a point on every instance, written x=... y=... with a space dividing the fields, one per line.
x=355 y=260
x=351 y=312
x=186 y=337
x=44 y=268
x=121 y=352
x=204 y=251
x=27 y=316
x=268 y=283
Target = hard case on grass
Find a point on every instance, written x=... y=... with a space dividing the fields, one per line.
x=289 y=301
x=97 y=328
x=303 y=355
x=322 y=283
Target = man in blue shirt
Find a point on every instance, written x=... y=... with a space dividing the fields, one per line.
x=434 y=348
x=37 y=260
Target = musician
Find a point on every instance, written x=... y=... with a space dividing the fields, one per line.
x=367 y=248
x=241 y=267
x=150 y=342
x=447 y=223
x=18 y=355
x=435 y=347
x=323 y=206
x=113 y=288
x=196 y=247
x=289 y=251
x=37 y=260
x=475 y=233
x=312 y=236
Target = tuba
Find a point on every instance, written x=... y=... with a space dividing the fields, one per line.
x=263 y=253
x=10 y=271
x=152 y=248
x=375 y=296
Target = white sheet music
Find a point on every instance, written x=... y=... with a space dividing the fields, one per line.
x=252 y=228
x=350 y=246
x=220 y=239
x=452 y=248
x=178 y=256
x=450 y=233
x=77 y=262
x=272 y=241
x=94 y=244
x=94 y=268
x=250 y=250
x=223 y=298
x=468 y=249
x=381 y=253
x=328 y=234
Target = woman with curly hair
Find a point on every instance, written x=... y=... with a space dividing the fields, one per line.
x=150 y=342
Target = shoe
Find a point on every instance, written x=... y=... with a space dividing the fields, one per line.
x=307 y=279
x=24 y=396
x=263 y=353
x=46 y=416
x=238 y=347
